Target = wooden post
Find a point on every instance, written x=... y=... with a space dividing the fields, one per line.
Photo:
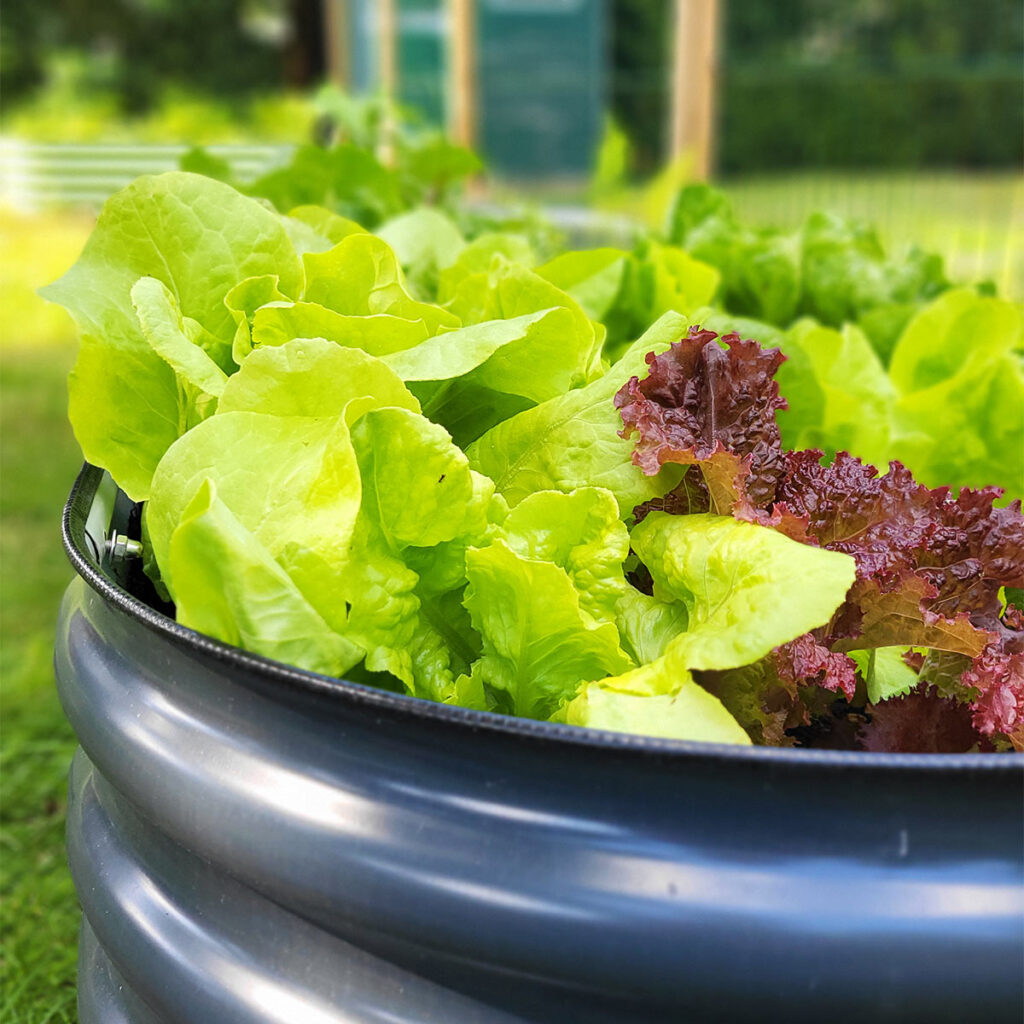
x=387 y=48
x=337 y=46
x=693 y=83
x=462 y=72
x=387 y=75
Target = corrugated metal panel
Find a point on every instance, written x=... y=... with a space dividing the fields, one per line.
x=35 y=175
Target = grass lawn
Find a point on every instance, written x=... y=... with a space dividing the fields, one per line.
x=38 y=461
x=975 y=222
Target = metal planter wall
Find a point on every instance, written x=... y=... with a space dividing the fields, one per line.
x=252 y=843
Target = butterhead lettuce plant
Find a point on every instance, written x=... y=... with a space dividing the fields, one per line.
x=435 y=464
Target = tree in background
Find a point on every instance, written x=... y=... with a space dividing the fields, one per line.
x=879 y=33
x=836 y=83
x=136 y=49
x=640 y=51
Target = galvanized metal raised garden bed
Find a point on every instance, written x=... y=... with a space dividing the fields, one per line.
x=253 y=843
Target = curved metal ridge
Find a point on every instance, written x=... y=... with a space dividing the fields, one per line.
x=193 y=944
x=75 y=544
x=104 y=997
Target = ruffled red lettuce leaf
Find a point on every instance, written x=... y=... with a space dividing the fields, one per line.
x=930 y=566
x=713 y=407
x=922 y=722
x=959 y=704
x=996 y=677
x=978 y=550
x=780 y=518
x=901 y=533
x=882 y=521
x=805 y=662
x=990 y=687
x=874 y=616
x=930 y=571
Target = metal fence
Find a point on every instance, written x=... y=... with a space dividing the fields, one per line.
x=36 y=175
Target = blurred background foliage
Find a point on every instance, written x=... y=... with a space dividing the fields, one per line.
x=131 y=51
x=884 y=83
x=158 y=70
x=837 y=83
x=909 y=83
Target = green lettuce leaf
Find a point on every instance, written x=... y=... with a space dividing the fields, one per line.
x=325 y=223
x=471 y=378
x=627 y=291
x=466 y=409
x=347 y=177
x=360 y=522
x=421 y=508
x=377 y=592
x=725 y=595
x=175 y=340
x=199 y=238
x=445 y=617
x=425 y=242
x=458 y=352
x=293 y=482
x=746 y=588
x=581 y=532
x=958 y=418
x=509 y=290
x=959 y=332
x=764 y=277
x=681 y=283
x=442 y=567
x=242 y=302
x=477 y=257
x=255 y=605
x=417 y=485
x=654 y=700
x=647 y=625
x=593 y=277
x=361 y=276
x=843 y=266
x=538 y=643
x=838 y=392
x=572 y=441
x=429 y=164
x=885 y=672
x=530 y=355
x=313 y=377
x=761 y=272
x=303 y=237
x=380 y=334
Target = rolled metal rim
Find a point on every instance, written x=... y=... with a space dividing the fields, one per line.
x=77 y=548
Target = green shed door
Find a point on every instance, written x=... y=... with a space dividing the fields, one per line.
x=541 y=85
x=421 y=26
x=421 y=55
